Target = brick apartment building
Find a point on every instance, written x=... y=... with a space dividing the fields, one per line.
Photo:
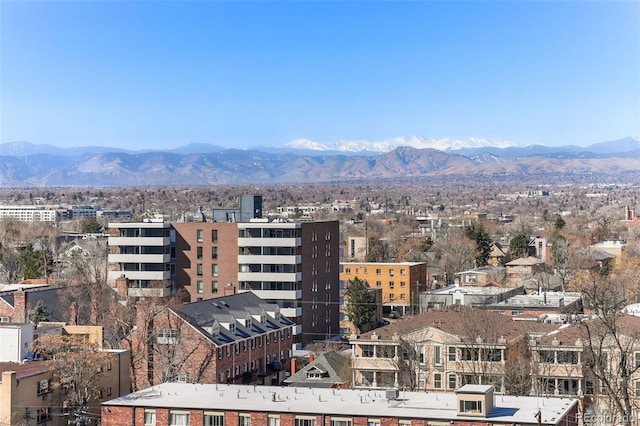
x=232 y=339
x=293 y=264
x=217 y=405
x=401 y=282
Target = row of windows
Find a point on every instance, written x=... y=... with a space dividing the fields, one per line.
x=200 y=235
x=200 y=269
x=200 y=252
x=256 y=341
x=390 y=272
x=453 y=353
x=183 y=418
x=200 y=286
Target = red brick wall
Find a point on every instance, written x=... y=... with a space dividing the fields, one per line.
x=17 y=312
x=187 y=259
x=198 y=357
x=119 y=416
x=320 y=285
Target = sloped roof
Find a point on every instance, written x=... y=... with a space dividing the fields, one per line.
x=464 y=322
x=331 y=363
x=526 y=261
x=202 y=315
x=567 y=335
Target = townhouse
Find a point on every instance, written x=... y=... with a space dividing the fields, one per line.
x=232 y=339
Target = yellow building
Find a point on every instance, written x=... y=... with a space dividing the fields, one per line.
x=400 y=282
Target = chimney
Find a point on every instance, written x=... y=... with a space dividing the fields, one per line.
x=229 y=289
x=19 y=306
x=122 y=285
x=311 y=357
x=293 y=365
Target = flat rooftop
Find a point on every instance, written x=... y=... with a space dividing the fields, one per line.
x=339 y=402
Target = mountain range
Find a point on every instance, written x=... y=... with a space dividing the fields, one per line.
x=23 y=164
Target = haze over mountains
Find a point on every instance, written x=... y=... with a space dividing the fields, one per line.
x=302 y=161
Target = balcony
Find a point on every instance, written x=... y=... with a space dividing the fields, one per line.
x=288 y=277
x=278 y=295
x=139 y=258
x=291 y=312
x=269 y=242
x=139 y=241
x=272 y=260
x=141 y=275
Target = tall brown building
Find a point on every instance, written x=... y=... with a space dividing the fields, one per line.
x=292 y=264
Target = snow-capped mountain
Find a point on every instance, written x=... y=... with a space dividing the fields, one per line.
x=388 y=145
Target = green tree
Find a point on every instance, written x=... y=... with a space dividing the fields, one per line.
x=359 y=305
x=519 y=246
x=559 y=223
x=483 y=243
x=91 y=227
x=36 y=263
x=39 y=313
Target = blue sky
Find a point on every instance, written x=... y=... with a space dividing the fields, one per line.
x=146 y=74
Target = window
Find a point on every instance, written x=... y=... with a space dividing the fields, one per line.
x=391 y=272
x=637 y=358
x=244 y=420
x=392 y=296
x=273 y=420
x=199 y=269
x=403 y=272
x=453 y=381
x=178 y=418
x=305 y=421
x=378 y=271
x=167 y=336
x=214 y=286
x=391 y=284
x=367 y=351
x=373 y=422
x=108 y=391
x=200 y=286
x=44 y=386
x=149 y=417
x=214 y=269
x=214 y=252
x=378 y=283
x=347 y=271
x=340 y=422
x=200 y=235
x=437 y=381
x=213 y=419
x=199 y=252
x=43 y=414
x=474 y=407
x=437 y=358
x=214 y=235
x=403 y=296
x=638 y=388
x=403 y=283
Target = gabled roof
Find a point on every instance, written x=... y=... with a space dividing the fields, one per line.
x=331 y=364
x=228 y=310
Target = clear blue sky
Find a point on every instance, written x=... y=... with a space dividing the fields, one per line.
x=145 y=74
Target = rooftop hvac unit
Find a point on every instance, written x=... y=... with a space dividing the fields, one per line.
x=392 y=393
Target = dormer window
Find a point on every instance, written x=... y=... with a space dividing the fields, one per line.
x=232 y=327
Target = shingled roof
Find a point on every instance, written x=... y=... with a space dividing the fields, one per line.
x=465 y=322
x=330 y=365
x=235 y=309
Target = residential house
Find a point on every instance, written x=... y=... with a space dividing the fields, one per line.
x=440 y=350
x=521 y=271
x=189 y=404
x=327 y=370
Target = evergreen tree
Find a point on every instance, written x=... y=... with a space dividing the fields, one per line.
x=39 y=313
x=91 y=227
x=483 y=243
x=559 y=223
x=519 y=246
x=359 y=305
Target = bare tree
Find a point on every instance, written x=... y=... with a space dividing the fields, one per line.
x=77 y=366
